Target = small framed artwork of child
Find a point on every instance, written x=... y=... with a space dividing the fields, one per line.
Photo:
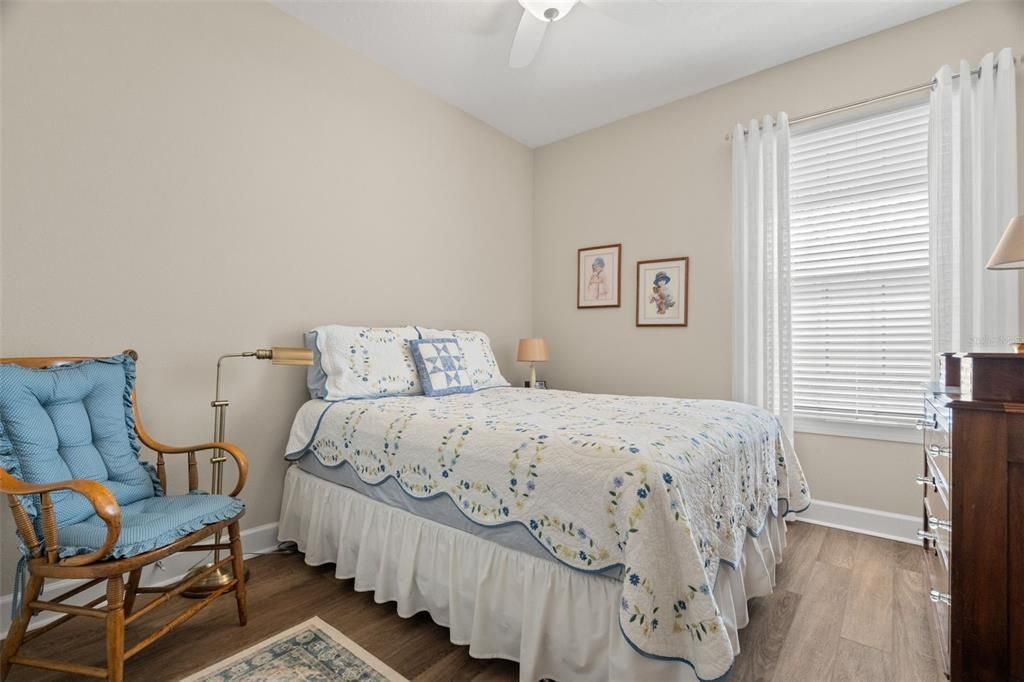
x=599 y=277
x=662 y=288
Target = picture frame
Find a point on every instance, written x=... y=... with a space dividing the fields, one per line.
x=599 y=276
x=663 y=292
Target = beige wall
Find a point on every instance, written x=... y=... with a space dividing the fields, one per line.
x=660 y=183
x=190 y=179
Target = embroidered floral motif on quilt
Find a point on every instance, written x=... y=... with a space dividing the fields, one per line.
x=666 y=488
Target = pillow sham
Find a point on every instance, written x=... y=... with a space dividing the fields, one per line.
x=477 y=352
x=441 y=367
x=362 y=362
x=316 y=377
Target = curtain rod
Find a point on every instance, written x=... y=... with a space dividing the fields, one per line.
x=1017 y=60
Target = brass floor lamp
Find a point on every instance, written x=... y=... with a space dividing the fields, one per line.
x=277 y=356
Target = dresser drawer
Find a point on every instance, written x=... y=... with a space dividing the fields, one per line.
x=935 y=427
x=938 y=536
x=936 y=416
x=940 y=463
x=938 y=468
x=938 y=523
x=938 y=596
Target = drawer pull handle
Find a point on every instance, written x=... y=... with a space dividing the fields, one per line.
x=925 y=480
x=937 y=450
x=925 y=535
x=941 y=524
x=940 y=597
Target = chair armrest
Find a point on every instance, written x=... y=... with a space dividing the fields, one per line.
x=102 y=500
x=236 y=453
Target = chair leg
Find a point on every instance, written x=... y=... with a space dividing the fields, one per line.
x=115 y=629
x=238 y=566
x=129 y=593
x=16 y=633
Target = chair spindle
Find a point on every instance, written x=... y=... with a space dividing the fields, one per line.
x=161 y=471
x=193 y=472
x=49 y=528
x=24 y=526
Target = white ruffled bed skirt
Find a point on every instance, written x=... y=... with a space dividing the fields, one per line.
x=556 y=621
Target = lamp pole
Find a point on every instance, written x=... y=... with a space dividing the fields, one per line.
x=279 y=356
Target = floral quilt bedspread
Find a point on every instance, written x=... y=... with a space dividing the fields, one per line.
x=667 y=488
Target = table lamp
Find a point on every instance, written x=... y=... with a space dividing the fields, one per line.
x=533 y=351
x=1009 y=254
x=277 y=356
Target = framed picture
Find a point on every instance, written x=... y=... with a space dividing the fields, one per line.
x=599 y=277
x=662 y=292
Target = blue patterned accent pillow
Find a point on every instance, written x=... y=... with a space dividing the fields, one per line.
x=441 y=367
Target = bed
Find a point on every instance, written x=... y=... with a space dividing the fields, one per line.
x=588 y=537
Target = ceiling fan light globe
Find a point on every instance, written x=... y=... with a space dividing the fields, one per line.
x=548 y=10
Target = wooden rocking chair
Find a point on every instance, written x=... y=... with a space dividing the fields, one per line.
x=94 y=531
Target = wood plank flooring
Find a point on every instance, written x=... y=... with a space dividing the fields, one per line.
x=847 y=607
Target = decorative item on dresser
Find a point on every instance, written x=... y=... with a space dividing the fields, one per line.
x=974 y=492
x=1009 y=252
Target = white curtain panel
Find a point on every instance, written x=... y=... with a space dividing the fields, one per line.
x=762 y=346
x=973 y=195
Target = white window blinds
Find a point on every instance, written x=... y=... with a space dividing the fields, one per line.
x=860 y=277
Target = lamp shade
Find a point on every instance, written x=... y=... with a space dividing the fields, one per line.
x=532 y=350
x=1009 y=253
x=291 y=356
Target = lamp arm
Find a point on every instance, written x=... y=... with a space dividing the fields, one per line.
x=247 y=354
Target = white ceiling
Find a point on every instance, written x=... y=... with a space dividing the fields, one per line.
x=606 y=60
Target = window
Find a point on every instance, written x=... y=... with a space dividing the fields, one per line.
x=860 y=277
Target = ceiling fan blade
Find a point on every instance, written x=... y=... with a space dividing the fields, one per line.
x=527 y=41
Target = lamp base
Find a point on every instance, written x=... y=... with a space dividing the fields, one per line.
x=212 y=582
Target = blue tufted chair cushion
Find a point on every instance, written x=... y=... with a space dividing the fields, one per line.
x=150 y=523
x=73 y=422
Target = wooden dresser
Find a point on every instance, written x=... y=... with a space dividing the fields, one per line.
x=973 y=525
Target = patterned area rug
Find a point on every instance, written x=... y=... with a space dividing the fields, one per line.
x=312 y=650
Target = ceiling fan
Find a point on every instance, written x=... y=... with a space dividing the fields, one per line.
x=537 y=16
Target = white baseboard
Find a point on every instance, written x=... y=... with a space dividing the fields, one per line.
x=254 y=541
x=899 y=527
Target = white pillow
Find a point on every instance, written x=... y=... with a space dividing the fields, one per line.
x=477 y=353
x=366 y=362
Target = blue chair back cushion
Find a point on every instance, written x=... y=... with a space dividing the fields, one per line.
x=73 y=421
